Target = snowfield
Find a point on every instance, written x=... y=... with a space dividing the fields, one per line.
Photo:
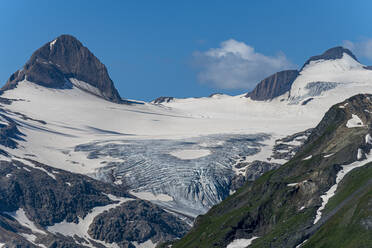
x=241 y=243
x=164 y=149
x=355 y=121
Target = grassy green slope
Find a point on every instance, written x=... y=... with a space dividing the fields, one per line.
x=281 y=215
x=351 y=226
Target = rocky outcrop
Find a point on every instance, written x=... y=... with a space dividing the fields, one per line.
x=55 y=63
x=258 y=168
x=332 y=53
x=137 y=220
x=9 y=134
x=163 y=99
x=287 y=147
x=273 y=86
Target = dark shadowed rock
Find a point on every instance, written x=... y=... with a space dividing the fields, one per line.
x=163 y=99
x=137 y=220
x=237 y=182
x=333 y=53
x=56 y=62
x=258 y=168
x=273 y=86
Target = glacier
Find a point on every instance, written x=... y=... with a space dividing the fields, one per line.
x=149 y=166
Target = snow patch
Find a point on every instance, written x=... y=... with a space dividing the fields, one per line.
x=328 y=155
x=360 y=154
x=343 y=106
x=190 y=154
x=29 y=237
x=307 y=158
x=85 y=86
x=28 y=163
x=301 y=244
x=295 y=184
x=355 y=121
x=21 y=217
x=51 y=44
x=147 y=244
x=340 y=175
x=149 y=196
x=368 y=139
x=292 y=184
x=241 y=243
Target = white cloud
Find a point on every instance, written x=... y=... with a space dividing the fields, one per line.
x=236 y=65
x=362 y=48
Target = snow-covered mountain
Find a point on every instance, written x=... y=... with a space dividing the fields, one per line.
x=183 y=154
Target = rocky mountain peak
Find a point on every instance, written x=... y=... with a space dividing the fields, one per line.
x=65 y=58
x=273 y=86
x=281 y=82
x=332 y=53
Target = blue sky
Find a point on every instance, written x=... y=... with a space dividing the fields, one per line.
x=187 y=48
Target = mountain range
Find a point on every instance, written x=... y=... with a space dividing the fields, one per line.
x=278 y=166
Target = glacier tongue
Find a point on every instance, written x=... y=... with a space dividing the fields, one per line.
x=194 y=184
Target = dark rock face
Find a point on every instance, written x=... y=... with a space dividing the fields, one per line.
x=258 y=168
x=9 y=134
x=47 y=200
x=237 y=182
x=57 y=61
x=287 y=147
x=333 y=53
x=273 y=86
x=137 y=220
x=163 y=99
x=49 y=195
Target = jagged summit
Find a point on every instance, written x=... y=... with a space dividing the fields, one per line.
x=291 y=80
x=273 y=86
x=63 y=61
x=332 y=53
